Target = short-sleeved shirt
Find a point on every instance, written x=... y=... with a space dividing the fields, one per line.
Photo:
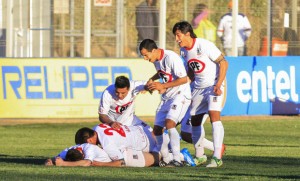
x=225 y=26
x=114 y=141
x=201 y=60
x=121 y=111
x=170 y=67
x=91 y=152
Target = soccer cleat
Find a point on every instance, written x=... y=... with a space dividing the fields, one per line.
x=215 y=162
x=174 y=163
x=188 y=157
x=162 y=163
x=200 y=160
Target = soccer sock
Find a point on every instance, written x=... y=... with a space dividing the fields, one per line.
x=208 y=144
x=175 y=143
x=196 y=137
x=162 y=144
x=218 y=136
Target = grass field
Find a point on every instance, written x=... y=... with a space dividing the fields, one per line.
x=257 y=149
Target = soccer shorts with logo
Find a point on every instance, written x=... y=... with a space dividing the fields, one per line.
x=174 y=109
x=204 y=100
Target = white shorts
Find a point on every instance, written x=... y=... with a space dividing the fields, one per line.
x=133 y=158
x=204 y=100
x=173 y=109
x=138 y=122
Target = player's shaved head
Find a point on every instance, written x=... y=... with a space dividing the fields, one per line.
x=122 y=82
x=148 y=44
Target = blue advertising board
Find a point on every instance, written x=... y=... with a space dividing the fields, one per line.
x=263 y=86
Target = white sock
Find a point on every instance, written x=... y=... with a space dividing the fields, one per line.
x=175 y=143
x=163 y=146
x=218 y=136
x=208 y=144
x=197 y=139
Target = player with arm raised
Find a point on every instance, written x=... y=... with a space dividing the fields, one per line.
x=209 y=68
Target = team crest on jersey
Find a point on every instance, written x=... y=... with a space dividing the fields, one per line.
x=122 y=108
x=199 y=52
x=174 y=107
x=196 y=65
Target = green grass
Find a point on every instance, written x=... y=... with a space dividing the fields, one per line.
x=256 y=150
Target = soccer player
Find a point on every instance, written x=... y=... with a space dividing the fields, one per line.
x=207 y=69
x=176 y=97
x=91 y=155
x=114 y=141
x=117 y=103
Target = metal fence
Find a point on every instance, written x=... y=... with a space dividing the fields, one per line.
x=58 y=28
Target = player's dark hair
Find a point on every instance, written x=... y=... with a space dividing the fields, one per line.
x=74 y=155
x=83 y=134
x=122 y=82
x=148 y=44
x=184 y=27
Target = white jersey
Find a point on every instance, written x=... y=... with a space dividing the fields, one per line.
x=121 y=111
x=201 y=60
x=114 y=141
x=225 y=30
x=91 y=152
x=170 y=67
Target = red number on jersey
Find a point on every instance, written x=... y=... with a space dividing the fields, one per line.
x=110 y=131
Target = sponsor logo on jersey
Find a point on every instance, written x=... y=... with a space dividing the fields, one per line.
x=135 y=157
x=122 y=108
x=196 y=65
x=166 y=77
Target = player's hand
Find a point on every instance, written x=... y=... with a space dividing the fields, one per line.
x=115 y=125
x=49 y=162
x=59 y=161
x=162 y=91
x=156 y=86
x=217 y=90
x=149 y=82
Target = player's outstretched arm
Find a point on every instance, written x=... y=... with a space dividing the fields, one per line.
x=60 y=162
x=117 y=163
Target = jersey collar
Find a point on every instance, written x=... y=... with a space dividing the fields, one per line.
x=194 y=40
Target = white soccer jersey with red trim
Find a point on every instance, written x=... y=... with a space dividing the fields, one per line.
x=201 y=60
x=170 y=67
x=121 y=111
x=113 y=141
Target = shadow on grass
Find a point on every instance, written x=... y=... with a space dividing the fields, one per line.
x=22 y=160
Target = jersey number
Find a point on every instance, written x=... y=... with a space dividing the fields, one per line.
x=110 y=131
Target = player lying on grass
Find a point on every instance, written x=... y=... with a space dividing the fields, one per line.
x=91 y=155
x=114 y=141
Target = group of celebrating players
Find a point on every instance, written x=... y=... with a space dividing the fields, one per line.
x=192 y=87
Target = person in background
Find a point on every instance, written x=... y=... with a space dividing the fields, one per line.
x=225 y=32
x=203 y=27
x=147 y=21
